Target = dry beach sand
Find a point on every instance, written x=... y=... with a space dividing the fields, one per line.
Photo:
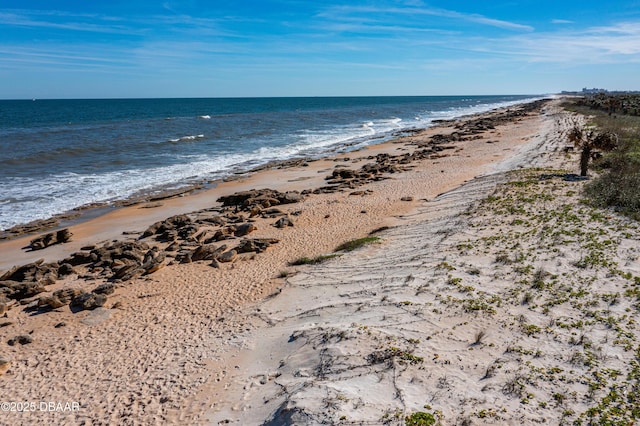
x=491 y=297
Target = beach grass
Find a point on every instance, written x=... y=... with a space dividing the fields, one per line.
x=357 y=243
x=313 y=260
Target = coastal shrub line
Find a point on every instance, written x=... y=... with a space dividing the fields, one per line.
x=618 y=185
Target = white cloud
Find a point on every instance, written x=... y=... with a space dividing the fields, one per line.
x=37 y=19
x=386 y=12
x=617 y=43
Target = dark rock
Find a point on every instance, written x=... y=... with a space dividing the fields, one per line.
x=31 y=227
x=283 y=222
x=215 y=220
x=78 y=258
x=255 y=211
x=154 y=261
x=228 y=256
x=60 y=324
x=51 y=301
x=106 y=289
x=61 y=236
x=172 y=223
x=60 y=298
x=264 y=198
x=291 y=197
x=187 y=231
x=66 y=269
x=344 y=173
x=128 y=272
x=257 y=245
x=46 y=273
x=21 y=290
x=88 y=301
x=207 y=252
x=172 y=247
x=221 y=234
x=272 y=212
x=406 y=199
x=23 y=339
x=244 y=229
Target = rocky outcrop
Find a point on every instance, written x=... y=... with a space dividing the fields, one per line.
x=88 y=301
x=264 y=198
x=59 y=298
x=228 y=256
x=256 y=245
x=167 y=230
x=203 y=252
x=38 y=271
x=244 y=229
x=59 y=237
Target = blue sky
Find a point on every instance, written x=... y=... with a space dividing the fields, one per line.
x=213 y=48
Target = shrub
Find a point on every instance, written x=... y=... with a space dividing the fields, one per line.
x=420 y=419
x=357 y=243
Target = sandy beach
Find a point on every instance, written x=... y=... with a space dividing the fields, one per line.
x=490 y=296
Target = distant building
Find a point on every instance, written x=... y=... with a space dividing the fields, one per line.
x=585 y=91
x=592 y=91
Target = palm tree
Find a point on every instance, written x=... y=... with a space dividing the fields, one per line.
x=588 y=140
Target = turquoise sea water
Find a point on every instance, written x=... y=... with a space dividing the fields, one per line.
x=57 y=155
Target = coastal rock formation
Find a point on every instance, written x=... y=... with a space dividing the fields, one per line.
x=244 y=229
x=167 y=229
x=203 y=252
x=265 y=198
x=228 y=256
x=59 y=237
x=20 y=290
x=256 y=245
x=59 y=298
x=38 y=271
x=88 y=301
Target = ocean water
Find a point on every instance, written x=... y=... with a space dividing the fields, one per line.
x=57 y=155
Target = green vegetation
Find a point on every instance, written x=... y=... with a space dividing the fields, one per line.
x=313 y=260
x=618 y=185
x=357 y=243
x=562 y=275
x=420 y=419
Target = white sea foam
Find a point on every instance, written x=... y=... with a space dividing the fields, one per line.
x=205 y=117
x=44 y=197
x=187 y=138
